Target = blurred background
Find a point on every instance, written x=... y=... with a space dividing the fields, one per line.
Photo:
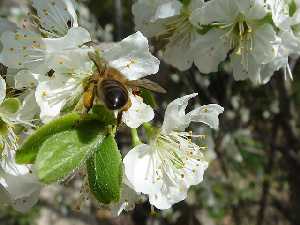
x=254 y=173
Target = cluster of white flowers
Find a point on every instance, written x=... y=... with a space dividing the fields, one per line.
x=19 y=187
x=256 y=37
x=48 y=62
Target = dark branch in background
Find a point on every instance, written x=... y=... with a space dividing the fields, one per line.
x=118 y=19
x=284 y=210
x=268 y=174
x=292 y=144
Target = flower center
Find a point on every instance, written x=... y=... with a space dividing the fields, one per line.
x=177 y=148
x=240 y=37
x=242 y=40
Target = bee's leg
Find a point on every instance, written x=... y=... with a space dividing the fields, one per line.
x=88 y=97
x=119 y=118
x=124 y=109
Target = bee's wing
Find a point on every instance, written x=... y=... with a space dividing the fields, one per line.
x=148 y=84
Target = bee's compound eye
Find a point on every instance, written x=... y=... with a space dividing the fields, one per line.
x=115 y=95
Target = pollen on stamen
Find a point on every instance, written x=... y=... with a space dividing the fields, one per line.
x=18 y=36
x=131 y=62
x=45 y=12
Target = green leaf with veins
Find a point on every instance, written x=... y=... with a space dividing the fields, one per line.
x=66 y=151
x=105 y=172
x=30 y=148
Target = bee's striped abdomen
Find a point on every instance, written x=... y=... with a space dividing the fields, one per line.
x=114 y=94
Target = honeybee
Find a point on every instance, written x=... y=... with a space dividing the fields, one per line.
x=111 y=86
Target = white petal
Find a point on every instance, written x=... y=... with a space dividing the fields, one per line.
x=210 y=50
x=138 y=113
x=194 y=171
x=140 y=165
x=53 y=94
x=252 y=9
x=27 y=50
x=222 y=11
x=24 y=191
x=265 y=45
x=195 y=4
x=6 y=25
x=178 y=51
x=24 y=79
x=23 y=49
x=175 y=117
x=4 y=195
x=240 y=72
x=132 y=57
x=2 y=89
x=29 y=108
x=280 y=13
x=168 y=9
x=149 y=16
x=207 y=114
x=64 y=54
x=56 y=16
x=167 y=198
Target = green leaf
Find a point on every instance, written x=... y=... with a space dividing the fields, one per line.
x=29 y=150
x=105 y=116
x=105 y=172
x=10 y=106
x=66 y=151
x=148 y=98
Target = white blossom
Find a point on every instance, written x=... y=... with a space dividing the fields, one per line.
x=237 y=26
x=56 y=17
x=169 y=20
x=165 y=168
x=19 y=186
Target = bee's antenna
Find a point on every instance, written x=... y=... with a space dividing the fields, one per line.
x=99 y=62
